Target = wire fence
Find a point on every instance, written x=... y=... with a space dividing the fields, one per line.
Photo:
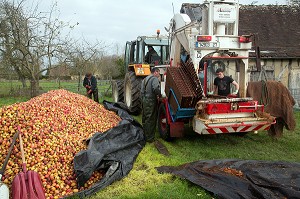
x=14 y=88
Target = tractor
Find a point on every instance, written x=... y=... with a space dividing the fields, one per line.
x=136 y=67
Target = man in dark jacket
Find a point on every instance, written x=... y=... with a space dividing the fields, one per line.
x=151 y=52
x=90 y=83
x=150 y=92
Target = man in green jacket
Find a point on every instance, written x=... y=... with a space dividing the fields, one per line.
x=150 y=93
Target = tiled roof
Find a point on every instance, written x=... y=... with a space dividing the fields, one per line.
x=277 y=27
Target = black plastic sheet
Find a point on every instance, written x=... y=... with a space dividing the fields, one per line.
x=114 y=151
x=242 y=178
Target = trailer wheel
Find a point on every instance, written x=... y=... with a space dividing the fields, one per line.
x=162 y=123
x=118 y=90
x=132 y=88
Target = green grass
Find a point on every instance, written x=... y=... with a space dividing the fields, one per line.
x=144 y=181
x=9 y=87
x=11 y=100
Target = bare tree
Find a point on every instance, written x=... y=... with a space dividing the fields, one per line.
x=81 y=57
x=30 y=40
x=7 y=27
x=109 y=67
x=293 y=2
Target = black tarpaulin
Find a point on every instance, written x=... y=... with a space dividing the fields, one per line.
x=242 y=178
x=113 y=151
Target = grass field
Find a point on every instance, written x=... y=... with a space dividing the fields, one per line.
x=145 y=182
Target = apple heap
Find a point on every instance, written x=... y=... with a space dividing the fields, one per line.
x=54 y=127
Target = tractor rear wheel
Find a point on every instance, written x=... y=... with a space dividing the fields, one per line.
x=162 y=123
x=118 y=90
x=132 y=88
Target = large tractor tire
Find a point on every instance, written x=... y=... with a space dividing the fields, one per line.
x=132 y=88
x=118 y=90
x=162 y=123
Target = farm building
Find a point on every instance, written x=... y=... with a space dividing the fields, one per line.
x=277 y=31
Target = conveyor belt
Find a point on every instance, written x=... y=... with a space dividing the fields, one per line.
x=184 y=82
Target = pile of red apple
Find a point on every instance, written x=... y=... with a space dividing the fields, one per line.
x=54 y=127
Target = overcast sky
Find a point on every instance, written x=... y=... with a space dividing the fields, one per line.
x=118 y=21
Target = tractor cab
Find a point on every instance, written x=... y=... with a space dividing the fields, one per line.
x=136 y=51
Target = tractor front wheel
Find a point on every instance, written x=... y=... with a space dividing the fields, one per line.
x=132 y=88
x=118 y=90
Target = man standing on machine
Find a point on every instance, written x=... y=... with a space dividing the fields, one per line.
x=222 y=84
